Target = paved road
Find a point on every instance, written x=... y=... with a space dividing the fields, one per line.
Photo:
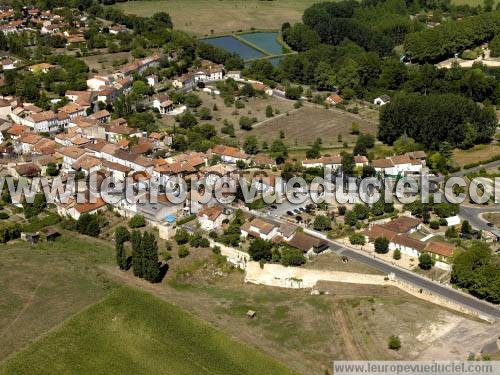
x=462 y=173
x=410 y=277
x=419 y=281
x=471 y=214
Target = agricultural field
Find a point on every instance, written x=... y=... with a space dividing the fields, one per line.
x=304 y=125
x=45 y=284
x=147 y=335
x=254 y=107
x=206 y=17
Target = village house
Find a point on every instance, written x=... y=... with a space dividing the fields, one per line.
x=329 y=162
x=163 y=104
x=152 y=80
x=73 y=110
x=95 y=83
x=398 y=233
x=214 y=172
x=82 y=98
x=75 y=210
x=210 y=218
x=118 y=130
x=334 y=99
x=306 y=243
x=382 y=100
x=401 y=165
x=229 y=154
x=258 y=86
x=8 y=64
x=208 y=71
x=102 y=116
x=185 y=81
x=259 y=228
x=41 y=68
x=24 y=145
x=234 y=74
x=70 y=155
x=116 y=29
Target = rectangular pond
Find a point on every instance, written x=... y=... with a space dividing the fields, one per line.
x=231 y=44
x=267 y=41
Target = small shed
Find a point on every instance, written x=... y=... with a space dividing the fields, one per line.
x=251 y=314
x=51 y=234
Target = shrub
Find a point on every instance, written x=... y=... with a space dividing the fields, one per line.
x=292 y=257
x=357 y=239
x=396 y=255
x=394 y=343
x=216 y=250
x=181 y=236
x=183 y=251
x=4 y=215
x=434 y=224
x=137 y=221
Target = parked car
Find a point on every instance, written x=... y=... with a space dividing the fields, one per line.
x=290 y=213
x=490 y=224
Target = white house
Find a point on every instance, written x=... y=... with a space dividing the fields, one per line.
x=163 y=104
x=211 y=218
x=95 y=83
x=398 y=165
x=152 y=80
x=70 y=155
x=259 y=228
x=382 y=100
x=234 y=74
x=230 y=155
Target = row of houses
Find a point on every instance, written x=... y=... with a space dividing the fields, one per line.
x=398 y=232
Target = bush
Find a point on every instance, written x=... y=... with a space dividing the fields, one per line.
x=183 y=251
x=292 y=257
x=443 y=222
x=394 y=343
x=4 y=215
x=396 y=255
x=137 y=221
x=181 y=236
x=434 y=224
x=357 y=239
x=216 y=250
x=260 y=249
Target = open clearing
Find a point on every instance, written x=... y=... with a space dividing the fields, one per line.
x=493 y=218
x=205 y=17
x=134 y=332
x=45 y=284
x=48 y=283
x=475 y=154
x=107 y=63
x=303 y=126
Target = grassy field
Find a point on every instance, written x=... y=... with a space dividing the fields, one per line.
x=475 y=154
x=201 y=17
x=106 y=63
x=302 y=127
x=45 y=284
x=135 y=332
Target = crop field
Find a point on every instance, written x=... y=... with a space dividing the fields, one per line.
x=134 y=332
x=206 y=17
x=302 y=127
x=45 y=284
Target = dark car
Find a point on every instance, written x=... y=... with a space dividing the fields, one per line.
x=273 y=206
x=490 y=224
x=290 y=213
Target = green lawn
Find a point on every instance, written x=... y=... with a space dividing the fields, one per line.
x=134 y=332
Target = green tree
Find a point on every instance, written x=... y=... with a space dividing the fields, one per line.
x=451 y=232
x=315 y=151
x=466 y=228
x=348 y=164
x=182 y=251
x=88 y=224
x=137 y=254
x=292 y=257
x=381 y=245
x=251 y=145
x=260 y=249
x=181 y=236
x=150 y=263
x=122 y=235
x=425 y=261
x=322 y=223
x=269 y=111
x=137 y=221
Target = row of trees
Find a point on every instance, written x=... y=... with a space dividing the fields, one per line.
x=443 y=41
x=144 y=253
x=265 y=251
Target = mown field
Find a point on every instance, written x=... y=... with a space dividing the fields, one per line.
x=45 y=284
x=134 y=332
x=204 y=17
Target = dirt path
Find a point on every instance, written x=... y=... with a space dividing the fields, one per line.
x=350 y=347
